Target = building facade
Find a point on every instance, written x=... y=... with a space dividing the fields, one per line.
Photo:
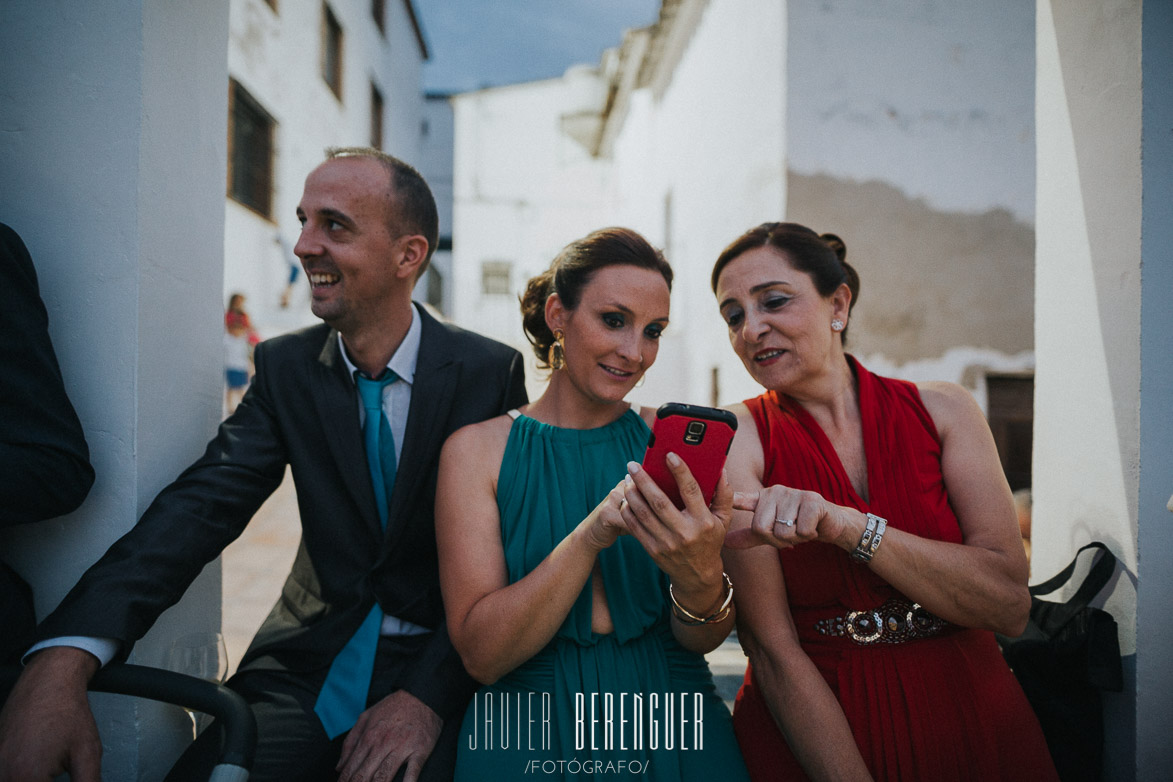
x=905 y=129
x=303 y=76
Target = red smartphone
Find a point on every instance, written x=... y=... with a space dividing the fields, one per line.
x=701 y=436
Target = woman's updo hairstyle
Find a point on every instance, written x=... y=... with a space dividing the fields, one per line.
x=823 y=257
x=571 y=271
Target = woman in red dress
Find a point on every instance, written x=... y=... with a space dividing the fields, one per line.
x=893 y=551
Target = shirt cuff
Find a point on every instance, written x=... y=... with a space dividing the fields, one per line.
x=102 y=648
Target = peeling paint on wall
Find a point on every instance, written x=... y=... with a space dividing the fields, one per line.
x=931 y=281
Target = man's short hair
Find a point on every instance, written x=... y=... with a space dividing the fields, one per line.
x=413 y=209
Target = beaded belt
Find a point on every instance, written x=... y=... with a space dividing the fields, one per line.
x=896 y=621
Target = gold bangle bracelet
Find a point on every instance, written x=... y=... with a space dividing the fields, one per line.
x=686 y=617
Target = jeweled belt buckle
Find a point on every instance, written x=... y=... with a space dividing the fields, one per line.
x=864 y=627
x=896 y=621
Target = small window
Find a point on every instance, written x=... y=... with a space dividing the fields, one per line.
x=1011 y=416
x=332 y=51
x=376 y=117
x=250 y=151
x=495 y=278
x=379 y=14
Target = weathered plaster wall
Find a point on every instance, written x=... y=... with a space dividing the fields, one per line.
x=910 y=134
x=930 y=281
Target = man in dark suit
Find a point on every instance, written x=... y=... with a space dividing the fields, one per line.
x=44 y=461
x=368 y=230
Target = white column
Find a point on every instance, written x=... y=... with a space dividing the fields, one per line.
x=1104 y=337
x=112 y=147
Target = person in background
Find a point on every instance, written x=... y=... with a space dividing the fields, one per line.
x=561 y=584
x=352 y=673
x=874 y=546
x=238 y=360
x=236 y=317
x=45 y=467
x=294 y=270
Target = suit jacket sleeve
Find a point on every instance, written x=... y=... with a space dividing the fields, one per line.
x=44 y=461
x=437 y=677
x=188 y=525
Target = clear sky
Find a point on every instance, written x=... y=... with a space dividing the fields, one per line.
x=483 y=43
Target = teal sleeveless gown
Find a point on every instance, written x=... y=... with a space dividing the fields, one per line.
x=632 y=703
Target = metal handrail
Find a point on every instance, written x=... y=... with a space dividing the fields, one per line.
x=228 y=707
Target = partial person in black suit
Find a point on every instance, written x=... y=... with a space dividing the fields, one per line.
x=368 y=230
x=44 y=461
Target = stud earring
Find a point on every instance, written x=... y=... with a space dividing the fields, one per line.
x=556 y=355
x=837 y=325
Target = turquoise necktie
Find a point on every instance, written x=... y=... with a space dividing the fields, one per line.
x=344 y=693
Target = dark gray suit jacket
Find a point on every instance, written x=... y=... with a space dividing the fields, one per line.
x=301 y=410
x=44 y=460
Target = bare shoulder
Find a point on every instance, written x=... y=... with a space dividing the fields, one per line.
x=481 y=443
x=746 y=456
x=745 y=419
x=949 y=404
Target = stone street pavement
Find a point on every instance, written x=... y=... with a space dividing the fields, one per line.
x=256 y=564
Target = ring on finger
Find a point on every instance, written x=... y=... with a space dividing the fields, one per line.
x=784 y=522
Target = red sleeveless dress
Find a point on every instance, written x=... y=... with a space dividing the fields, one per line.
x=940 y=708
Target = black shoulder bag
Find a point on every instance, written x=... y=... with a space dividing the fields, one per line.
x=1067 y=656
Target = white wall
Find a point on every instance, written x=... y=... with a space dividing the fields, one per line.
x=113 y=155
x=935 y=99
x=275 y=55
x=1104 y=396
x=911 y=135
x=523 y=190
x=437 y=142
x=714 y=137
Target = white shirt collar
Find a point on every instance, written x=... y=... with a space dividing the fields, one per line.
x=403 y=361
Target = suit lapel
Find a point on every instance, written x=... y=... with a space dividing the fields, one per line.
x=335 y=397
x=432 y=391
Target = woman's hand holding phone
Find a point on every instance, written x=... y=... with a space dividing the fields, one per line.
x=685 y=542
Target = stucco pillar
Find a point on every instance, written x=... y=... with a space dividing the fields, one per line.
x=112 y=153
x=1104 y=386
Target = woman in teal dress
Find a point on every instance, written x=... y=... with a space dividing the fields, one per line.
x=555 y=567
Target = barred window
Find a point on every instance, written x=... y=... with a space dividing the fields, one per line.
x=250 y=152
x=495 y=278
x=332 y=51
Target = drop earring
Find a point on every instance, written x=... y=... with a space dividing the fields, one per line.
x=556 y=355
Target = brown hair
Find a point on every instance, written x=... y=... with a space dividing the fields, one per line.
x=822 y=256
x=571 y=271
x=413 y=209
